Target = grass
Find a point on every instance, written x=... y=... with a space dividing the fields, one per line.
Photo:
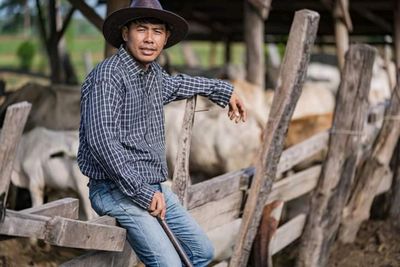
x=94 y=43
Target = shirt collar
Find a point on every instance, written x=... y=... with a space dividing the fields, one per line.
x=133 y=66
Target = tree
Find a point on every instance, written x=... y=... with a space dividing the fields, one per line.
x=17 y=12
x=61 y=70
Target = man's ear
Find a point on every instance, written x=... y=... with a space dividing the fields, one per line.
x=124 y=33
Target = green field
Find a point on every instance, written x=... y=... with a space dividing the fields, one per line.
x=77 y=46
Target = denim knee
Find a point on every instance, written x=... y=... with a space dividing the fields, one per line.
x=209 y=251
x=205 y=255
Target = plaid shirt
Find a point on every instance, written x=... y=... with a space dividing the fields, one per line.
x=121 y=133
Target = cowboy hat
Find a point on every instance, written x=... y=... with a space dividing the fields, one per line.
x=144 y=9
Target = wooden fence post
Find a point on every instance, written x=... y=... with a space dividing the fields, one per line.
x=372 y=171
x=343 y=25
x=339 y=167
x=394 y=211
x=292 y=75
x=11 y=132
x=255 y=13
x=181 y=177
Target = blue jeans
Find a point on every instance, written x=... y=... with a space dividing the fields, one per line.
x=145 y=234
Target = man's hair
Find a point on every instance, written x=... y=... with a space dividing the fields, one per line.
x=148 y=20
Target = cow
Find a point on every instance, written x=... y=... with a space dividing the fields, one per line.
x=55 y=107
x=220 y=146
x=47 y=158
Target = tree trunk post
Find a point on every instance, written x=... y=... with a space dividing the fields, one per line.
x=292 y=75
x=338 y=170
x=372 y=171
x=341 y=31
x=181 y=178
x=10 y=136
x=54 y=50
x=397 y=34
x=254 y=39
x=113 y=5
x=261 y=255
x=394 y=212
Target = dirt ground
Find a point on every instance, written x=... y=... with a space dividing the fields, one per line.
x=20 y=252
x=377 y=245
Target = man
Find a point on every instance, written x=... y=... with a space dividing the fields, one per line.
x=122 y=146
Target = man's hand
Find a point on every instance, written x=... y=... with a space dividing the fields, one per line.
x=237 y=111
x=158 y=206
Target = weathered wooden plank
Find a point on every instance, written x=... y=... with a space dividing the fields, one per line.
x=394 y=210
x=292 y=75
x=66 y=208
x=254 y=39
x=126 y=258
x=286 y=189
x=216 y=213
x=78 y=234
x=226 y=184
x=295 y=185
x=217 y=187
x=23 y=225
x=372 y=171
x=303 y=151
x=341 y=31
x=64 y=232
x=181 y=178
x=287 y=233
x=13 y=126
x=260 y=253
x=337 y=173
x=106 y=220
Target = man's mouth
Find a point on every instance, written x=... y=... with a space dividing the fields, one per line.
x=148 y=51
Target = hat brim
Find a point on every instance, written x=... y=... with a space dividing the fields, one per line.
x=113 y=23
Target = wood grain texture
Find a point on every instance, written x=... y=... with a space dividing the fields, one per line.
x=217 y=213
x=373 y=171
x=292 y=75
x=13 y=126
x=181 y=178
x=66 y=208
x=338 y=170
x=226 y=184
x=76 y=234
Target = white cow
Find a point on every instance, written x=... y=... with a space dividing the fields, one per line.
x=219 y=145
x=48 y=158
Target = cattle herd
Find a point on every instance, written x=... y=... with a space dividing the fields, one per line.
x=47 y=153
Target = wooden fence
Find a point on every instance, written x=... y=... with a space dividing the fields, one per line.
x=217 y=203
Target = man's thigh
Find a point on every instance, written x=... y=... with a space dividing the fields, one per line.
x=144 y=233
x=192 y=238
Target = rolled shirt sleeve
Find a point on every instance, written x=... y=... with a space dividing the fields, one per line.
x=182 y=86
x=102 y=120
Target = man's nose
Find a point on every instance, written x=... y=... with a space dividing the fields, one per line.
x=148 y=37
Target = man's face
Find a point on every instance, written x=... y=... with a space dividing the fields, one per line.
x=145 y=41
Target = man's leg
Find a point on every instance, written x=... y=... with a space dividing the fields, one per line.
x=192 y=238
x=145 y=235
